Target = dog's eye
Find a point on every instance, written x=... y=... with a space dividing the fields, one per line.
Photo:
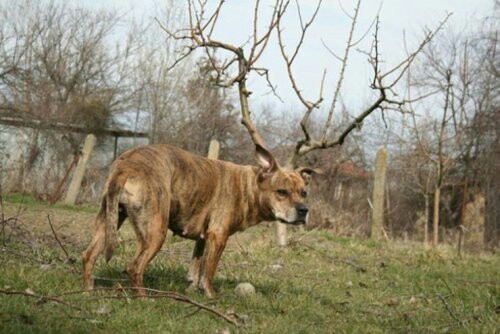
x=303 y=193
x=283 y=192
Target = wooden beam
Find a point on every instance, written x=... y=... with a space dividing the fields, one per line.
x=59 y=126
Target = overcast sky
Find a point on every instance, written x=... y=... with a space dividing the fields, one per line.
x=332 y=27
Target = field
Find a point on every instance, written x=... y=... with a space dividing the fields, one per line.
x=321 y=283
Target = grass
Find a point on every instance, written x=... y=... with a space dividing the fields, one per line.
x=319 y=284
x=32 y=202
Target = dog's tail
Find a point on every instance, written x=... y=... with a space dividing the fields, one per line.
x=110 y=207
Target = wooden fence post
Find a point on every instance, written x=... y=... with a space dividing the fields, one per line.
x=378 y=195
x=76 y=181
x=281 y=229
x=281 y=234
x=213 y=150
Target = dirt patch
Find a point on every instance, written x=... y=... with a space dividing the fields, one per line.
x=71 y=226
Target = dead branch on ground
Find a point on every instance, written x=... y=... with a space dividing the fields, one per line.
x=235 y=320
x=41 y=298
x=155 y=294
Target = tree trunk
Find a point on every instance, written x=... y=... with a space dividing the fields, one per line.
x=492 y=204
x=76 y=181
x=426 y=219
x=435 y=217
x=378 y=195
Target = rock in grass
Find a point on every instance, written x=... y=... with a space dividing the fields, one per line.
x=245 y=289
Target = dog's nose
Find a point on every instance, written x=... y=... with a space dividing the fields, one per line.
x=302 y=210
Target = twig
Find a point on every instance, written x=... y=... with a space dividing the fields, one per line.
x=449 y=309
x=192 y=313
x=98 y=278
x=70 y=258
x=41 y=298
x=343 y=67
x=23 y=255
x=447 y=286
x=6 y=221
x=479 y=282
x=264 y=72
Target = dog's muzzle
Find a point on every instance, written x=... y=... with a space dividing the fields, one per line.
x=302 y=211
x=300 y=216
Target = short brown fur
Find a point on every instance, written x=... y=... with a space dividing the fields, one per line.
x=160 y=187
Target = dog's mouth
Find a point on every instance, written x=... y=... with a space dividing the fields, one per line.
x=295 y=222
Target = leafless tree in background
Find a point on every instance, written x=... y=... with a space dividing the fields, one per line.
x=58 y=66
x=485 y=124
x=73 y=65
x=450 y=138
x=158 y=87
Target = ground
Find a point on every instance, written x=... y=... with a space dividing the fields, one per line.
x=321 y=283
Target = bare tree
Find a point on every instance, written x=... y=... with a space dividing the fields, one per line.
x=62 y=63
x=448 y=145
x=243 y=60
x=484 y=129
x=159 y=89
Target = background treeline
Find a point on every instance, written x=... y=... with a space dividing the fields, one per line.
x=65 y=64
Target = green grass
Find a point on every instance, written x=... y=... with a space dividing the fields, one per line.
x=32 y=202
x=319 y=284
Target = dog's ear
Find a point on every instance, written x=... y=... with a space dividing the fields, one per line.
x=307 y=173
x=265 y=159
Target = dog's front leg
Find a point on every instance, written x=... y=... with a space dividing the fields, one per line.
x=215 y=244
x=194 y=268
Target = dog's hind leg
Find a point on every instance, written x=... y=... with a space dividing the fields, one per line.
x=194 y=268
x=97 y=244
x=151 y=236
x=95 y=248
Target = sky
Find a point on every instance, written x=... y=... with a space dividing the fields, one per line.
x=398 y=18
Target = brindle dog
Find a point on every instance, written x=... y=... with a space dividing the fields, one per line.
x=160 y=187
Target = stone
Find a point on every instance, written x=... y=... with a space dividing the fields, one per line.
x=245 y=289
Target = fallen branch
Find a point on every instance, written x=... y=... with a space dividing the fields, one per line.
x=447 y=307
x=42 y=298
x=158 y=294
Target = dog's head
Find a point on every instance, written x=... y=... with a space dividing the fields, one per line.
x=282 y=194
